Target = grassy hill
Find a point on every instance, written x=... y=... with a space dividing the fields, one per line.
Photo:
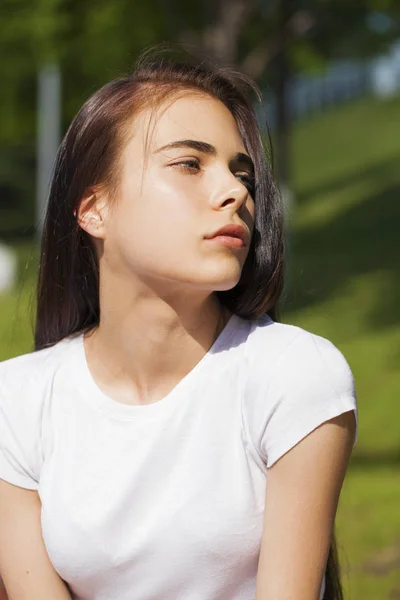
x=344 y=284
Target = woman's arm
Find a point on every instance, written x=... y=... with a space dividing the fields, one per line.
x=25 y=567
x=303 y=490
x=3 y=593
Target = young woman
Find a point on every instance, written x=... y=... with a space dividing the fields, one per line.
x=169 y=439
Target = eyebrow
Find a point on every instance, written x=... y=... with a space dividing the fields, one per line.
x=206 y=148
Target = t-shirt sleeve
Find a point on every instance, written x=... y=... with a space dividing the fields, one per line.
x=20 y=440
x=308 y=384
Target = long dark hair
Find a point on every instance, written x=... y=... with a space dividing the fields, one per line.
x=68 y=284
x=68 y=298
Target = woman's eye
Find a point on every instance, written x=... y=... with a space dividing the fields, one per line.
x=248 y=180
x=191 y=164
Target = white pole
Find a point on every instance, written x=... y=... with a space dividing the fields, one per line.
x=48 y=134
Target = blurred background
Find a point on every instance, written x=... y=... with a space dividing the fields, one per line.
x=329 y=71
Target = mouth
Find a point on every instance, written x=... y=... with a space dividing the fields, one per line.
x=234 y=236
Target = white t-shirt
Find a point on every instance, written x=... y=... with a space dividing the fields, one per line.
x=165 y=500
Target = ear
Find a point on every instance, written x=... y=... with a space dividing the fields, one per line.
x=91 y=212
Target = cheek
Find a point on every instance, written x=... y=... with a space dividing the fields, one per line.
x=178 y=203
x=160 y=221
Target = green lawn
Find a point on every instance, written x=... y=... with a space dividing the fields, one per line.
x=17 y=309
x=344 y=284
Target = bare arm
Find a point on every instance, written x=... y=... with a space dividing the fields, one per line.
x=25 y=567
x=301 y=501
x=3 y=593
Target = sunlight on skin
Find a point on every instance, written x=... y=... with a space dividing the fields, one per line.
x=196 y=179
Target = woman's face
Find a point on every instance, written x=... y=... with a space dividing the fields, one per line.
x=196 y=179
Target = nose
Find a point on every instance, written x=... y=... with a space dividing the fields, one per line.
x=229 y=193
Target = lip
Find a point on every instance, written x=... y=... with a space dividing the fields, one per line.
x=237 y=232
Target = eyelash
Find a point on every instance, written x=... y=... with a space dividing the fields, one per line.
x=194 y=165
x=188 y=165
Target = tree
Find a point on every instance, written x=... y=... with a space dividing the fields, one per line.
x=97 y=40
x=270 y=40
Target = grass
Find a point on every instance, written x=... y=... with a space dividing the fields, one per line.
x=17 y=307
x=344 y=284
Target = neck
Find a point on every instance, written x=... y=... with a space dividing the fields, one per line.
x=145 y=344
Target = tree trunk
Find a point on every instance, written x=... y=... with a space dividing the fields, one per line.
x=221 y=38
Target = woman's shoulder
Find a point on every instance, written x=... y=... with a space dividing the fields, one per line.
x=272 y=338
x=296 y=380
x=26 y=384
x=31 y=371
x=291 y=350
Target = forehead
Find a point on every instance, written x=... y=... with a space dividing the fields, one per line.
x=193 y=116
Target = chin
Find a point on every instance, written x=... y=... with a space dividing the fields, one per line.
x=223 y=288
x=224 y=279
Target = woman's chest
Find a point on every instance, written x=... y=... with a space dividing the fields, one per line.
x=129 y=498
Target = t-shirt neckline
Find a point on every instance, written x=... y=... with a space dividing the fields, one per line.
x=100 y=400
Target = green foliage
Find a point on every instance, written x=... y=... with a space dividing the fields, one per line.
x=92 y=41
x=97 y=40
x=344 y=30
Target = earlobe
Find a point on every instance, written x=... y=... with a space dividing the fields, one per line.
x=89 y=215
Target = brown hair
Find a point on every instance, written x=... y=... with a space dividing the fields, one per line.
x=67 y=299
x=68 y=294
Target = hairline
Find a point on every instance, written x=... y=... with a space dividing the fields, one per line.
x=157 y=107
